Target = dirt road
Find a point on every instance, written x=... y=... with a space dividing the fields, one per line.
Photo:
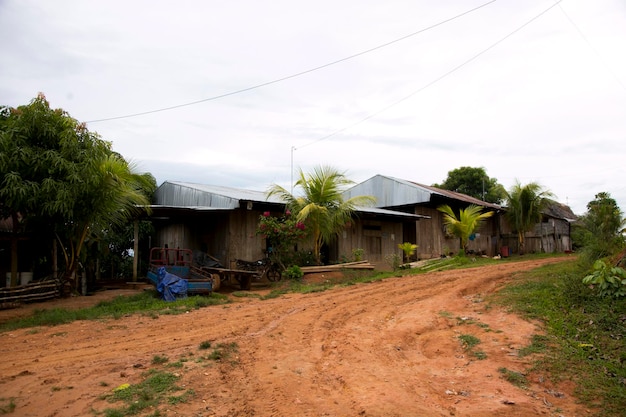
x=390 y=348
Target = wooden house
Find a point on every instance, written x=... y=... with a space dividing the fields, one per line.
x=222 y=222
x=430 y=236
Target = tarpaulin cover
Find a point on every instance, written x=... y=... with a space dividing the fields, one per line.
x=171 y=286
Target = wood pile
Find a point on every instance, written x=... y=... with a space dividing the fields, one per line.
x=35 y=291
x=337 y=267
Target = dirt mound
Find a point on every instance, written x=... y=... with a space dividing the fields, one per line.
x=389 y=348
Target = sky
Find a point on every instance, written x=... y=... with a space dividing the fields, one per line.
x=245 y=93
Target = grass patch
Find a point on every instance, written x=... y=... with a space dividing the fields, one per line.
x=159 y=359
x=157 y=386
x=223 y=351
x=146 y=303
x=516 y=378
x=245 y=294
x=468 y=341
x=205 y=345
x=480 y=355
x=587 y=333
x=538 y=344
x=7 y=405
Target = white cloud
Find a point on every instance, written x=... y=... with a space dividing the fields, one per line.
x=543 y=105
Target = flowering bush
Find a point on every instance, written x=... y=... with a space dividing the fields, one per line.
x=283 y=233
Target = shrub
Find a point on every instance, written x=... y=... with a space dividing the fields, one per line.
x=610 y=281
x=294 y=272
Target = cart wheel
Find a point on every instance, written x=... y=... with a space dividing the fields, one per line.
x=274 y=274
x=245 y=282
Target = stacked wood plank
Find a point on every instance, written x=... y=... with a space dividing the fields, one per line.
x=36 y=291
x=337 y=267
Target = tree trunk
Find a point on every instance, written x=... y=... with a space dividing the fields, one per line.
x=14 y=252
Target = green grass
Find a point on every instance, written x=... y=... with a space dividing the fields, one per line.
x=585 y=335
x=149 y=393
x=146 y=303
x=468 y=341
x=514 y=377
x=7 y=405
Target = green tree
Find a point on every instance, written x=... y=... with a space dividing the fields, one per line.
x=600 y=230
x=474 y=182
x=321 y=206
x=55 y=171
x=525 y=204
x=467 y=222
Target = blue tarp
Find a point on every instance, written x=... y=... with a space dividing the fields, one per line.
x=171 y=287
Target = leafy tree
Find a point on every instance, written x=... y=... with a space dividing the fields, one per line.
x=525 y=204
x=474 y=182
x=282 y=233
x=466 y=223
x=55 y=171
x=321 y=206
x=600 y=230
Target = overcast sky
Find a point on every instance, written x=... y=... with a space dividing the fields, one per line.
x=530 y=90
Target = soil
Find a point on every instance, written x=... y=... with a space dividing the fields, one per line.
x=387 y=348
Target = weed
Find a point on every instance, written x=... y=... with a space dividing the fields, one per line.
x=7 y=408
x=156 y=386
x=204 y=345
x=538 y=344
x=468 y=341
x=445 y=314
x=159 y=359
x=223 y=351
x=516 y=378
x=480 y=355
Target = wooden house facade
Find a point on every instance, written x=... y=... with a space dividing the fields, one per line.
x=223 y=221
x=430 y=236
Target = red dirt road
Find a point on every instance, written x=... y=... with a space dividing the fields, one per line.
x=388 y=348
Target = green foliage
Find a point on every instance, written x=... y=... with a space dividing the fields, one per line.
x=468 y=221
x=144 y=303
x=357 y=254
x=159 y=359
x=204 y=345
x=468 y=341
x=607 y=280
x=321 y=206
x=149 y=393
x=294 y=273
x=524 y=208
x=8 y=407
x=585 y=331
x=514 y=377
x=408 y=248
x=474 y=182
x=600 y=230
x=64 y=181
x=282 y=233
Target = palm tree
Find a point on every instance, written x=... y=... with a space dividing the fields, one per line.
x=321 y=206
x=468 y=220
x=524 y=206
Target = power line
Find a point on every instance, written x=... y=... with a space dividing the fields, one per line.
x=582 y=35
x=436 y=80
x=298 y=74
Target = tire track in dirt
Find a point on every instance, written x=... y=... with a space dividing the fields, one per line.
x=376 y=349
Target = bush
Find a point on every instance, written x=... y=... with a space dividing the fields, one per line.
x=294 y=273
x=609 y=281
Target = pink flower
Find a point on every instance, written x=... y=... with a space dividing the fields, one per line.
x=287 y=213
x=266 y=214
x=300 y=225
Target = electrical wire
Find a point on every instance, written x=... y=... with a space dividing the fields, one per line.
x=298 y=74
x=436 y=80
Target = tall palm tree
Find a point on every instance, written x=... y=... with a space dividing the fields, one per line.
x=468 y=220
x=524 y=206
x=321 y=206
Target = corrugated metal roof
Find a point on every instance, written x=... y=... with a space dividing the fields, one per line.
x=203 y=197
x=185 y=194
x=395 y=192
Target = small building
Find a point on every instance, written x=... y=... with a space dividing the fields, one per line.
x=430 y=236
